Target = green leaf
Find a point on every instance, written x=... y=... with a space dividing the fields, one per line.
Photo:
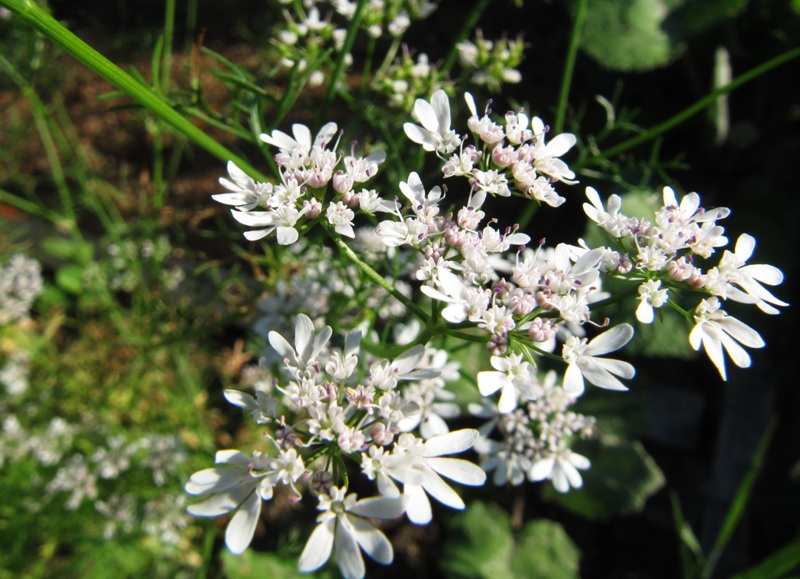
x=628 y=35
x=545 y=550
x=622 y=477
x=70 y=278
x=479 y=543
x=68 y=249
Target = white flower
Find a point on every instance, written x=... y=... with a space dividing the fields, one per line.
x=263 y=409
x=385 y=374
x=612 y=220
x=307 y=343
x=561 y=469
x=341 y=217
x=513 y=377
x=715 y=330
x=602 y=372
x=732 y=270
x=240 y=484
x=418 y=465
x=343 y=522
x=294 y=152
x=650 y=296
x=547 y=156
x=435 y=133
x=244 y=193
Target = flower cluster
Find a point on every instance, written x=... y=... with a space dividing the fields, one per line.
x=491 y=63
x=662 y=254
x=332 y=411
x=323 y=412
x=307 y=169
x=20 y=285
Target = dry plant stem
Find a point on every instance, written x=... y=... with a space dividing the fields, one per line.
x=35 y=16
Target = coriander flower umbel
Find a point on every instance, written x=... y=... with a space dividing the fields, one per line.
x=584 y=363
x=343 y=523
x=435 y=133
x=715 y=330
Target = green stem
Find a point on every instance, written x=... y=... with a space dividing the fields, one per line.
x=703 y=103
x=352 y=30
x=569 y=65
x=466 y=29
x=35 y=16
x=374 y=275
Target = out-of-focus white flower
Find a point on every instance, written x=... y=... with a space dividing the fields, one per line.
x=343 y=523
x=584 y=363
x=714 y=330
x=561 y=469
x=435 y=133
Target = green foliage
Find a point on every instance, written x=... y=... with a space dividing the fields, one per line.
x=481 y=544
x=623 y=476
x=628 y=35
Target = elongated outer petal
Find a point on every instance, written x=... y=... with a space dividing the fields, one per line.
x=243 y=524
x=303 y=336
x=441 y=106
x=286 y=235
x=598 y=373
x=217 y=505
x=240 y=399
x=645 y=313
x=241 y=178
x=233 y=199
x=459 y=470
x=573 y=380
x=420 y=136
x=450 y=443
x=565 y=476
x=282 y=346
x=254 y=218
x=374 y=543
x=348 y=555
x=436 y=487
x=741 y=332
x=542 y=468
x=560 y=144
x=379 y=507
x=318 y=548
x=738 y=355
x=418 y=507
x=708 y=337
x=426 y=115
x=256 y=235
x=325 y=134
x=610 y=340
x=303 y=136
x=279 y=139
x=490 y=382
x=214 y=480
x=768 y=274
x=508 y=398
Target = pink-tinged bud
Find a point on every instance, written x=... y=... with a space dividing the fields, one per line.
x=319 y=178
x=380 y=435
x=625 y=264
x=434 y=252
x=321 y=482
x=453 y=236
x=342 y=182
x=501 y=289
x=522 y=302
x=503 y=156
x=542 y=330
x=350 y=198
x=681 y=270
x=543 y=299
x=497 y=345
x=314 y=208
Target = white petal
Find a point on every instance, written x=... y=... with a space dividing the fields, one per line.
x=768 y=274
x=418 y=507
x=379 y=507
x=256 y=235
x=435 y=486
x=573 y=380
x=490 y=382
x=738 y=355
x=745 y=246
x=283 y=347
x=610 y=340
x=579 y=461
x=318 y=548
x=741 y=332
x=374 y=543
x=302 y=135
x=542 y=468
x=426 y=115
x=243 y=524
x=450 y=443
x=348 y=555
x=508 y=398
x=458 y=470
x=420 y=136
x=599 y=376
x=441 y=105
x=560 y=144
x=240 y=399
x=286 y=235
x=279 y=139
x=645 y=313
x=325 y=134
